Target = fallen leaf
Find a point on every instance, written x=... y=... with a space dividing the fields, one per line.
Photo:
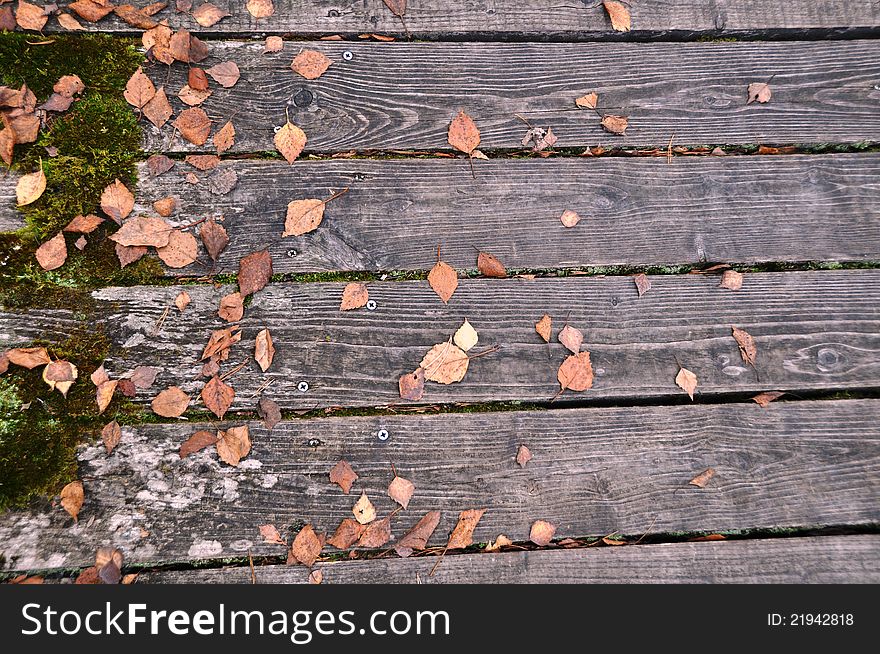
x=687 y=381
x=363 y=510
x=182 y=301
x=465 y=336
x=270 y=412
x=139 y=89
x=83 y=224
x=135 y=17
x=221 y=340
x=270 y=535
x=732 y=280
x=290 y=141
x=182 y=249
x=214 y=237
x=498 y=543
x=80 y=243
x=615 y=124
x=99 y=376
x=194 y=125
x=260 y=8
x=127 y=388
x=69 y=85
x=443 y=279
x=170 y=403
x=542 y=532
x=104 y=394
x=576 y=373
x=157 y=109
x=53 y=253
x=57 y=103
x=231 y=307
x=303 y=216
x=273 y=44
x=145 y=231
x=703 y=478
x=412 y=385
x=354 y=296
x=222 y=181
x=68 y=22
x=619 y=15
x=316 y=576
x=765 y=398
x=234 y=444
x=397 y=7
x=197 y=79
x=643 y=284
x=306 y=547
x=144 y=376
x=613 y=541
x=571 y=338
x=347 y=534
x=129 y=253
x=4 y=362
x=88 y=576
x=111 y=435
x=264 y=350
x=72 y=498
x=401 y=490
x=310 y=64
x=208 y=15
x=759 y=91
x=198 y=441
x=463 y=133
x=747 y=348
x=165 y=206
x=158 y=164
x=523 y=456
x=543 y=327
x=28 y=357
x=187 y=48
x=417 y=538
x=218 y=396
x=490 y=266
x=30 y=187
x=587 y=101
x=462 y=535
x=117 y=202
x=60 y=375
x=376 y=534
x=224 y=138
x=254 y=272
x=226 y=74
x=569 y=218
x=193 y=97
x=445 y=363
x=90 y=10
x=203 y=161
x=30 y=17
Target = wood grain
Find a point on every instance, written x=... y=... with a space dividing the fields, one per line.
x=827 y=560
x=635 y=211
x=593 y=472
x=534 y=19
x=403 y=96
x=11 y=218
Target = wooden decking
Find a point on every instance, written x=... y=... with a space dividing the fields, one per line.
x=787 y=192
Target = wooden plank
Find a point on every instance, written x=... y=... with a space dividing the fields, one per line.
x=531 y=18
x=594 y=471
x=10 y=217
x=825 y=560
x=814 y=331
x=403 y=95
x=635 y=211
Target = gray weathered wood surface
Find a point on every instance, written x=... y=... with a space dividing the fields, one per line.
x=635 y=211
x=531 y=18
x=10 y=217
x=825 y=560
x=594 y=471
x=814 y=330
x=403 y=96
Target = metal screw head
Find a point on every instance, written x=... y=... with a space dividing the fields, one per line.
x=383 y=435
x=347 y=55
x=277 y=128
x=292 y=253
x=302 y=387
x=371 y=305
x=314 y=442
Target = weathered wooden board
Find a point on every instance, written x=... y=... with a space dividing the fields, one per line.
x=403 y=96
x=635 y=211
x=10 y=217
x=826 y=560
x=814 y=330
x=531 y=18
x=594 y=471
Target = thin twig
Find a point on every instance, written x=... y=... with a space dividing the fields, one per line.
x=253 y=572
x=650 y=527
x=439 y=558
x=237 y=368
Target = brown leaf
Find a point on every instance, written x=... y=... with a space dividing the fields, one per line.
x=7 y=140
x=214 y=237
x=463 y=133
x=397 y=7
x=401 y=491
x=703 y=478
x=347 y=534
x=310 y=64
x=354 y=296
x=182 y=249
x=376 y=534
x=417 y=538
x=135 y=17
x=30 y=187
x=139 y=89
x=619 y=15
x=143 y=231
x=83 y=224
x=129 y=253
x=264 y=350
x=26 y=128
x=197 y=79
x=363 y=510
x=222 y=181
x=443 y=279
x=224 y=138
x=203 y=161
x=412 y=385
x=144 y=376
x=569 y=218
x=221 y=340
x=88 y=576
x=218 y=396
x=490 y=266
x=587 y=101
x=157 y=109
x=90 y=10
x=111 y=434
x=732 y=280
x=127 y=388
x=170 y=403
x=198 y=441
x=498 y=543
x=270 y=535
x=193 y=97
x=231 y=307
x=158 y=164
x=643 y=284
x=316 y=576
x=165 y=206
x=226 y=74
x=576 y=373
x=57 y=102
x=53 y=253
x=117 y=202
x=445 y=363
x=4 y=362
x=290 y=141
x=187 y=48
x=571 y=338
x=81 y=243
x=28 y=357
x=542 y=532
x=72 y=498
x=343 y=475
x=30 y=17
x=687 y=381
x=273 y=44
x=270 y=412
x=254 y=272
x=306 y=547
x=543 y=327
x=194 y=125
x=104 y=394
x=234 y=444
x=260 y=8
x=462 y=535
x=759 y=91
x=68 y=22
x=765 y=398
x=99 y=376
x=615 y=124
x=208 y=15
x=747 y=348
x=182 y=301
x=523 y=456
